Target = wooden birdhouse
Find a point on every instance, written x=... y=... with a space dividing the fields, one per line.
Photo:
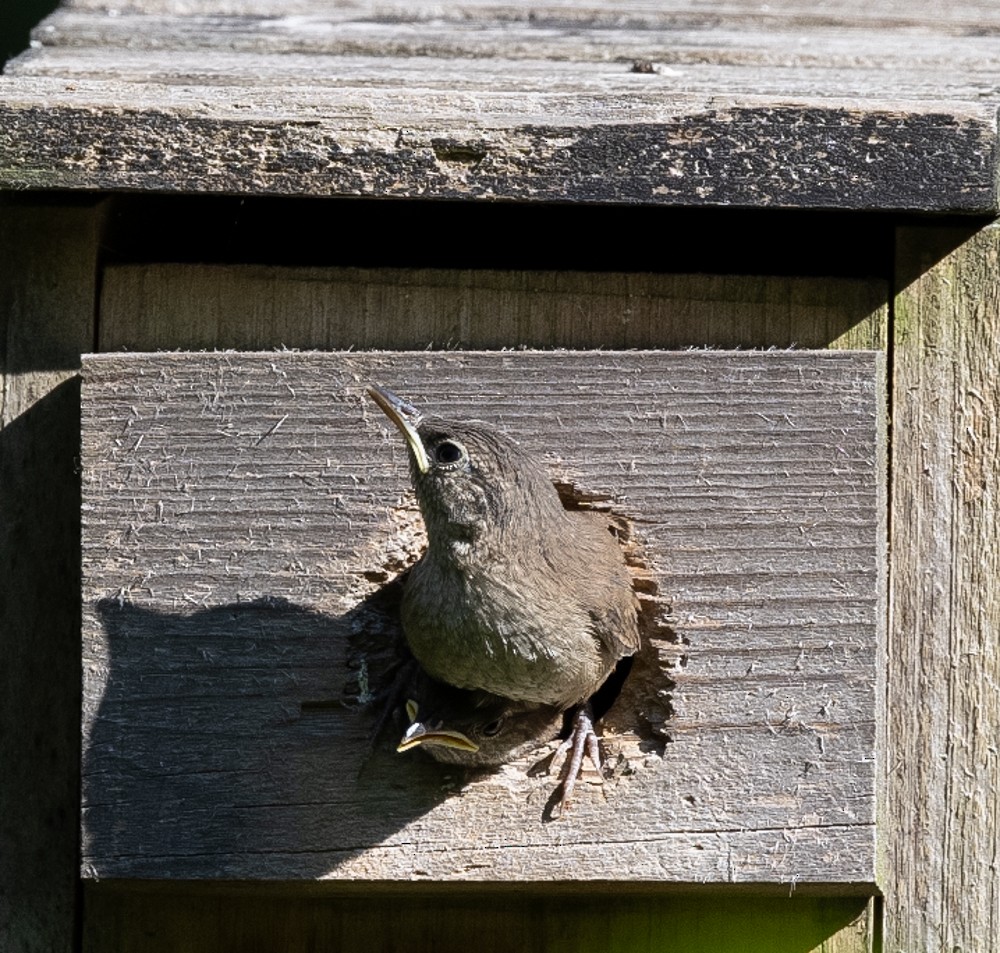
x=726 y=271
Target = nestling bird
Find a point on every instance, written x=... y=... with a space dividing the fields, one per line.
x=515 y=595
x=471 y=727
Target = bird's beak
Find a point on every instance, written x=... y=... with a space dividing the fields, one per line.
x=420 y=734
x=406 y=417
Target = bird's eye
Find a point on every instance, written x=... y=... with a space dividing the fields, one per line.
x=493 y=728
x=447 y=452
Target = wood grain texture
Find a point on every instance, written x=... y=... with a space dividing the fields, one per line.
x=911 y=15
x=162 y=306
x=47 y=295
x=724 y=106
x=944 y=782
x=715 y=52
x=244 y=516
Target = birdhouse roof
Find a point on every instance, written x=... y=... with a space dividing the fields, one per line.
x=859 y=106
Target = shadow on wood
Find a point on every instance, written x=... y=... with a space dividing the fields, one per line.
x=39 y=667
x=200 y=773
x=217 y=716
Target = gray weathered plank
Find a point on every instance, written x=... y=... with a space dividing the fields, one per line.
x=689 y=55
x=690 y=150
x=926 y=15
x=726 y=106
x=166 y=306
x=943 y=888
x=245 y=514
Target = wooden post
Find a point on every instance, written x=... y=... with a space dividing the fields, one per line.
x=47 y=295
x=941 y=818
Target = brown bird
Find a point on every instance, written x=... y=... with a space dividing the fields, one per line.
x=515 y=595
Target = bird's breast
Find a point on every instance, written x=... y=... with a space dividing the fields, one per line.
x=490 y=627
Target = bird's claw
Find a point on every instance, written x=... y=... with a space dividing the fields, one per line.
x=582 y=742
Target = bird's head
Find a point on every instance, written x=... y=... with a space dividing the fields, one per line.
x=473 y=728
x=470 y=478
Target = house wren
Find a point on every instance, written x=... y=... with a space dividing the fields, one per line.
x=515 y=595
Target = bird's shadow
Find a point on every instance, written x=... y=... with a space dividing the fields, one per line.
x=264 y=732
x=256 y=736
x=244 y=731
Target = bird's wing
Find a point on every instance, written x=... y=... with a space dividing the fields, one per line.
x=616 y=624
x=610 y=598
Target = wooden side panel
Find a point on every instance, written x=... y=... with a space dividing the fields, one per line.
x=163 y=306
x=244 y=516
x=942 y=817
x=47 y=295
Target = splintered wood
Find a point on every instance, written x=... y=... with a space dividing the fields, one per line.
x=245 y=521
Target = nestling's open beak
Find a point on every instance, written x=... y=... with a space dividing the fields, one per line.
x=406 y=417
x=419 y=734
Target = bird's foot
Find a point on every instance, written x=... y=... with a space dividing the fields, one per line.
x=581 y=743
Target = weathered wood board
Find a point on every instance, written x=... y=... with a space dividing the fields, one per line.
x=943 y=788
x=164 y=306
x=244 y=516
x=723 y=105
